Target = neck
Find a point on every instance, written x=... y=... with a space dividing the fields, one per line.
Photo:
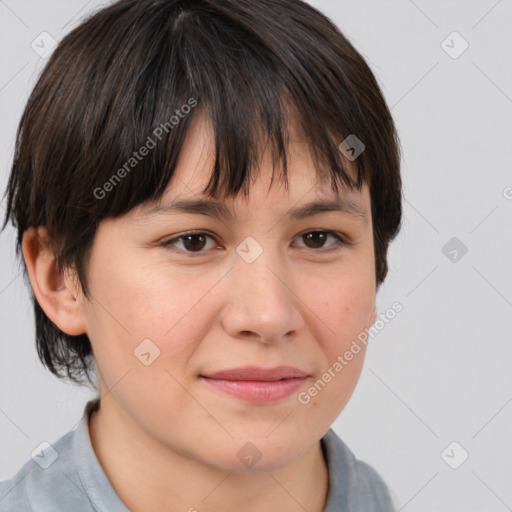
x=149 y=476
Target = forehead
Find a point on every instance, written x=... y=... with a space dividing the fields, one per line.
x=305 y=177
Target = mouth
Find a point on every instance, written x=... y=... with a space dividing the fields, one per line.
x=257 y=385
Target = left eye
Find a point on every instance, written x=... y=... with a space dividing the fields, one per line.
x=195 y=242
x=318 y=238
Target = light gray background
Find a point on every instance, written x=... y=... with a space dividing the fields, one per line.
x=440 y=371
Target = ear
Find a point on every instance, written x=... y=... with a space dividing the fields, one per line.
x=56 y=292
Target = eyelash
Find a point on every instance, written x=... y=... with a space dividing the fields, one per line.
x=335 y=247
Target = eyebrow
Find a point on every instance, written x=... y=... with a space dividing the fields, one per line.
x=220 y=210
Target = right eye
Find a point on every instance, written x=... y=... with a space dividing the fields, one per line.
x=192 y=242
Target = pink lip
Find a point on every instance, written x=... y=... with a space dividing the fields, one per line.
x=258 y=385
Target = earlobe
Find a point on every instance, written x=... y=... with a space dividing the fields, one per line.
x=56 y=293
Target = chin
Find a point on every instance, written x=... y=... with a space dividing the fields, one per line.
x=259 y=453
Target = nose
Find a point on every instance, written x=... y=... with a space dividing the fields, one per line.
x=263 y=304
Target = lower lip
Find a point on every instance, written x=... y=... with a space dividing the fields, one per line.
x=258 y=391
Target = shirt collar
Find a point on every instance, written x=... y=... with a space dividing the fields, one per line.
x=92 y=477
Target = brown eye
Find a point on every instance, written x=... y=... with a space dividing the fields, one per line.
x=191 y=242
x=317 y=240
x=194 y=242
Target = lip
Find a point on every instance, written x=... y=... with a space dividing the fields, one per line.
x=257 y=373
x=256 y=384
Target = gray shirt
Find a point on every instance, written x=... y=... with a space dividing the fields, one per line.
x=67 y=477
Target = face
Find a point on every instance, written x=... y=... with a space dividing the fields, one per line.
x=264 y=289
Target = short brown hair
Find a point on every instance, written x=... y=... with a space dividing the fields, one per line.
x=130 y=67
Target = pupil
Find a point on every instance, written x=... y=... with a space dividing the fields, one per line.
x=192 y=246
x=318 y=238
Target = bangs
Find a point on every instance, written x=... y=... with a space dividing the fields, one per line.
x=190 y=56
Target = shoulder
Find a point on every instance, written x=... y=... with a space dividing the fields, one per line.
x=47 y=482
x=354 y=484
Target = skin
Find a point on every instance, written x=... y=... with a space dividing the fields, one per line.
x=164 y=436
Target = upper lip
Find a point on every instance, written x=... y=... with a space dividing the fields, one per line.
x=257 y=373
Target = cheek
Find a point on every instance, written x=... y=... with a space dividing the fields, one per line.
x=343 y=305
x=152 y=303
